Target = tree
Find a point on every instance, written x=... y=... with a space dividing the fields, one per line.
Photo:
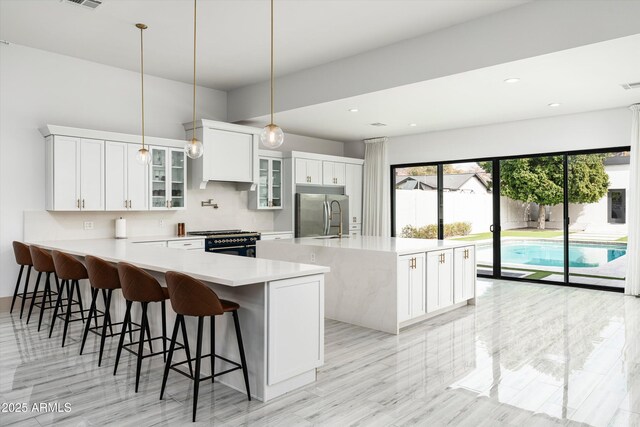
x=540 y=180
x=426 y=170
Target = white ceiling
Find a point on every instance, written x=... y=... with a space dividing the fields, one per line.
x=581 y=79
x=233 y=35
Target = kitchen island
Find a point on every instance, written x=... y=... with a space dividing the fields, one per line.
x=385 y=283
x=281 y=314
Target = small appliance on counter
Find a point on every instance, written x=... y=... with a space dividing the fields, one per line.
x=231 y=242
x=121 y=228
x=181 y=229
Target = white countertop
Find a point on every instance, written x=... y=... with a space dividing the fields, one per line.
x=229 y=270
x=142 y=239
x=397 y=245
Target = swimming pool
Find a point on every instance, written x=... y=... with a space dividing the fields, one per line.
x=551 y=253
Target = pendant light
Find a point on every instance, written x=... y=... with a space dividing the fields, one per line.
x=194 y=148
x=271 y=135
x=143 y=156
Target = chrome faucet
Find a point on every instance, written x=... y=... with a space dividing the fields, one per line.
x=331 y=213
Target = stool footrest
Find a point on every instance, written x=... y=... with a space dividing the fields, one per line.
x=144 y=356
x=235 y=368
x=98 y=329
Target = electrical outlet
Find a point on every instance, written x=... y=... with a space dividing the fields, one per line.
x=88 y=225
x=313 y=257
x=161 y=223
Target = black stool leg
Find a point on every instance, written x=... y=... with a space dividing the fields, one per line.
x=77 y=283
x=47 y=290
x=186 y=344
x=105 y=322
x=58 y=305
x=164 y=331
x=141 y=343
x=55 y=276
x=167 y=365
x=24 y=293
x=213 y=347
x=104 y=298
x=68 y=313
x=196 y=379
x=127 y=319
x=15 y=292
x=33 y=297
x=94 y=297
x=242 y=357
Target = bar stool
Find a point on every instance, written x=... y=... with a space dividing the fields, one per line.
x=42 y=263
x=23 y=258
x=103 y=276
x=190 y=297
x=71 y=271
x=140 y=286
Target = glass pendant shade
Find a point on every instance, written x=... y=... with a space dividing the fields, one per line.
x=272 y=136
x=194 y=148
x=143 y=156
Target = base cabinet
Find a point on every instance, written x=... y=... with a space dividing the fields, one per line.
x=464 y=274
x=439 y=280
x=411 y=286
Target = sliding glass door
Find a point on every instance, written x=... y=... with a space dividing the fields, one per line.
x=551 y=218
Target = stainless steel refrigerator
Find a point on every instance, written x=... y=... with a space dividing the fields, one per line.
x=320 y=214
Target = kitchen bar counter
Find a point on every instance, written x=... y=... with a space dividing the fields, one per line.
x=385 y=283
x=281 y=314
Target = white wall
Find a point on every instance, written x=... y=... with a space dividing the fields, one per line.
x=39 y=87
x=596 y=129
x=293 y=142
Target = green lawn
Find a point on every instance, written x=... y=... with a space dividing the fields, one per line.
x=543 y=234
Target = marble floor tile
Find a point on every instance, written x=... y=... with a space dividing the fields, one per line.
x=525 y=355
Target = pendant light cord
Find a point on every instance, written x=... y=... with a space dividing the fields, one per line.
x=194 y=68
x=142 y=79
x=271 y=61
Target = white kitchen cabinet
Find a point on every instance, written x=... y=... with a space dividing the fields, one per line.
x=276 y=236
x=308 y=171
x=464 y=274
x=353 y=189
x=126 y=180
x=159 y=243
x=75 y=174
x=333 y=173
x=168 y=178
x=268 y=194
x=439 y=279
x=187 y=244
x=411 y=286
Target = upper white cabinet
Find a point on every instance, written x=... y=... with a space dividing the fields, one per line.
x=464 y=283
x=411 y=286
x=439 y=279
x=308 y=171
x=269 y=192
x=75 y=174
x=126 y=180
x=168 y=178
x=333 y=173
x=353 y=189
x=230 y=153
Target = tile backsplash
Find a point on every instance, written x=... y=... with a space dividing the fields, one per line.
x=232 y=212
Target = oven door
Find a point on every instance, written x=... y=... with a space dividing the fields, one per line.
x=249 y=250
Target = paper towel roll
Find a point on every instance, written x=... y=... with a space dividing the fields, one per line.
x=121 y=228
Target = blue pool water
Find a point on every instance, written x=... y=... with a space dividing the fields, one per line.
x=551 y=253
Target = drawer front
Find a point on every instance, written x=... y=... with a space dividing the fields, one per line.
x=157 y=243
x=186 y=244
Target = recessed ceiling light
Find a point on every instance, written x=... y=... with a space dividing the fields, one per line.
x=554 y=104
x=512 y=80
x=413 y=125
x=353 y=110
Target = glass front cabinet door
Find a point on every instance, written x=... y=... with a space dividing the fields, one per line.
x=168 y=178
x=269 y=192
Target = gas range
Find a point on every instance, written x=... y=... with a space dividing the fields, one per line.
x=231 y=242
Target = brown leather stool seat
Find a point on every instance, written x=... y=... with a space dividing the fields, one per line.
x=23 y=259
x=191 y=297
x=104 y=278
x=140 y=286
x=70 y=270
x=43 y=264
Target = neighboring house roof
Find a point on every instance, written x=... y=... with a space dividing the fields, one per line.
x=451 y=182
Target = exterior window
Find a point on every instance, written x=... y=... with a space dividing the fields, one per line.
x=617 y=206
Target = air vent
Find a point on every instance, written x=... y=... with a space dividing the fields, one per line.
x=629 y=86
x=378 y=124
x=89 y=4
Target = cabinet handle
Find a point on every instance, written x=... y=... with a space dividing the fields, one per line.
x=82 y=203
x=125 y=204
x=170 y=204
x=78 y=203
x=129 y=204
x=354 y=219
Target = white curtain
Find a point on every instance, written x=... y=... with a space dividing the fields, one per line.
x=376 y=214
x=632 y=286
